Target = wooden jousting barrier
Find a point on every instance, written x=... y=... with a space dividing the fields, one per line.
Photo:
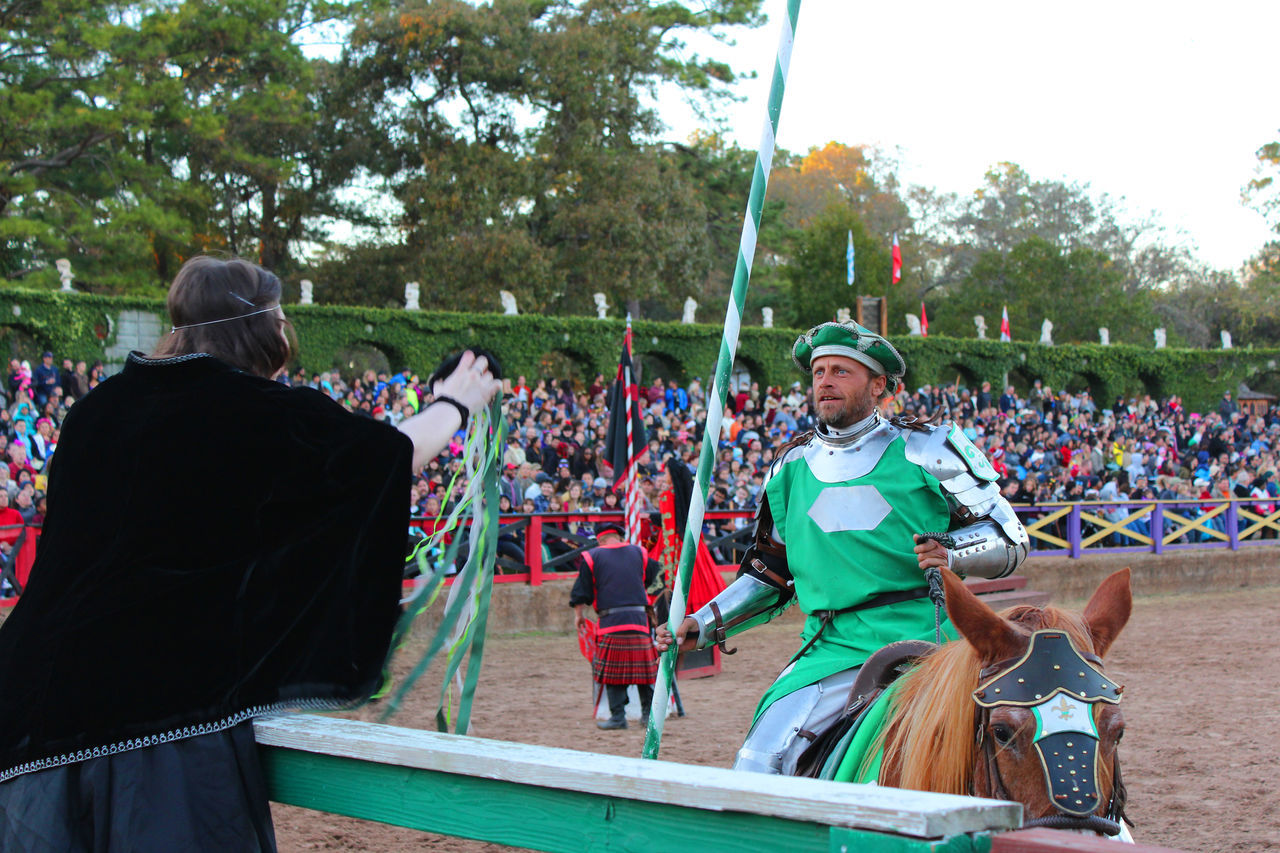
x=546 y=798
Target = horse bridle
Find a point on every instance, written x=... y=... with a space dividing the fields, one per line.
x=1066 y=736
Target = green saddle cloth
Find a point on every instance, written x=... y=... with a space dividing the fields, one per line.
x=856 y=757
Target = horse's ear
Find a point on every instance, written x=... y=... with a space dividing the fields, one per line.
x=1108 y=610
x=994 y=638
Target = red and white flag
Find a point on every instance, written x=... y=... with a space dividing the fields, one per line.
x=1004 y=325
x=924 y=321
x=897 y=259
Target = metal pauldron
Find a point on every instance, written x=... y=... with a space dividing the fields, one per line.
x=744 y=598
x=984 y=551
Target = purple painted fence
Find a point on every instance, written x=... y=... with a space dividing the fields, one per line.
x=1094 y=527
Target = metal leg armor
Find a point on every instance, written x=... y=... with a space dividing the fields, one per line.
x=774 y=743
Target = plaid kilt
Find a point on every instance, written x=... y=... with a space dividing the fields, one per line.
x=624 y=657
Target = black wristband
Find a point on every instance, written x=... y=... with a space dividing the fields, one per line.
x=462 y=410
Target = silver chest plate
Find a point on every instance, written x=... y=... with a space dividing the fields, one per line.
x=832 y=464
x=844 y=508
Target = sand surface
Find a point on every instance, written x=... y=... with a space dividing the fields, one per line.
x=1202 y=705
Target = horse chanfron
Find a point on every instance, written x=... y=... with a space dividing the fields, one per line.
x=1019 y=709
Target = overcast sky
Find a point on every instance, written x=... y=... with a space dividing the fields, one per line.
x=1164 y=104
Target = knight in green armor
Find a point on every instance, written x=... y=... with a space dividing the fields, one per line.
x=837 y=532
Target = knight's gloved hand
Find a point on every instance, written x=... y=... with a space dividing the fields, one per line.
x=470 y=383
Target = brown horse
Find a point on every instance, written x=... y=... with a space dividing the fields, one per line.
x=1018 y=709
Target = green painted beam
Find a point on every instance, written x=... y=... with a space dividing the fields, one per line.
x=551 y=819
x=843 y=840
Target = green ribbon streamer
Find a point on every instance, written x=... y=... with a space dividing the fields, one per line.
x=472 y=585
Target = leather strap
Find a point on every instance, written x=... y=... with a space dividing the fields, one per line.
x=881 y=600
x=758 y=566
x=764 y=531
x=718 y=633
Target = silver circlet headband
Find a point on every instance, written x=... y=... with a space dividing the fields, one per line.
x=173 y=329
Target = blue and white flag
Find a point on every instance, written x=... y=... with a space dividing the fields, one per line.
x=848 y=255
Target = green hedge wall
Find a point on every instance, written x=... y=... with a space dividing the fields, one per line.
x=81 y=326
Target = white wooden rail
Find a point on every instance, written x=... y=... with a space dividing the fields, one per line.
x=504 y=775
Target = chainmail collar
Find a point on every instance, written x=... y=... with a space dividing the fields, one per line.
x=837 y=437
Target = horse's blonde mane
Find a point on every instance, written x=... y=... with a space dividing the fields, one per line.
x=929 y=739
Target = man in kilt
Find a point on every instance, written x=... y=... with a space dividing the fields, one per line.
x=613 y=580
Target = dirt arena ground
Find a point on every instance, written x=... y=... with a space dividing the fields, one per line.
x=1202 y=704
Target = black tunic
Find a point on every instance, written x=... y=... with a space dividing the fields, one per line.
x=217 y=546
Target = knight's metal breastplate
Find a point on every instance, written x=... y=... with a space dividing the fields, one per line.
x=835 y=461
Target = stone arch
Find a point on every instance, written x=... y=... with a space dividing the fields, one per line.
x=1085 y=381
x=20 y=342
x=1021 y=381
x=962 y=374
x=748 y=368
x=655 y=363
x=1152 y=384
x=566 y=363
x=361 y=356
x=1265 y=381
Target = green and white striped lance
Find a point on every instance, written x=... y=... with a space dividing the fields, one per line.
x=724 y=365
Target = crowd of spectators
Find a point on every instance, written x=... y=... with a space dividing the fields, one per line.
x=33 y=403
x=1047 y=446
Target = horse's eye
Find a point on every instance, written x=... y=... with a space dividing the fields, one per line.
x=1002 y=733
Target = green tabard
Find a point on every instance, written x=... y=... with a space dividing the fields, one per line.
x=847 y=542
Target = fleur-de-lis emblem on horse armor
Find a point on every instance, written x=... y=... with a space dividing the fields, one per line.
x=1065 y=708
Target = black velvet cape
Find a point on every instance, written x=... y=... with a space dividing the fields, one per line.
x=217 y=545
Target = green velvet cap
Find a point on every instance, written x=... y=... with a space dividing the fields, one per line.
x=854 y=341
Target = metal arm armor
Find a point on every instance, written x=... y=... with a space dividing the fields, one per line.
x=990 y=540
x=747 y=597
x=983 y=550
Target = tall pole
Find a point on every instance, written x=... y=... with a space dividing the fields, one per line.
x=632 y=509
x=720 y=387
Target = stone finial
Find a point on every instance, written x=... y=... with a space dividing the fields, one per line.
x=1046 y=332
x=766 y=317
x=508 y=302
x=602 y=306
x=843 y=315
x=306 y=292
x=411 y=292
x=1104 y=336
x=981 y=323
x=913 y=325
x=1160 y=338
x=1226 y=339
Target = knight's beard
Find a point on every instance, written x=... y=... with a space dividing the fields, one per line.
x=852 y=410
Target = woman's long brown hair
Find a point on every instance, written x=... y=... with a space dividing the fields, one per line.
x=227 y=292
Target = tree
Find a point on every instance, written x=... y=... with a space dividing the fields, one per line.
x=138 y=133
x=1263 y=192
x=815 y=271
x=68 y=185
x=1078 y=290
x=553 y=154
x=859 y=177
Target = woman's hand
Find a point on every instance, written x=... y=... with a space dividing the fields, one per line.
x=471 y=383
